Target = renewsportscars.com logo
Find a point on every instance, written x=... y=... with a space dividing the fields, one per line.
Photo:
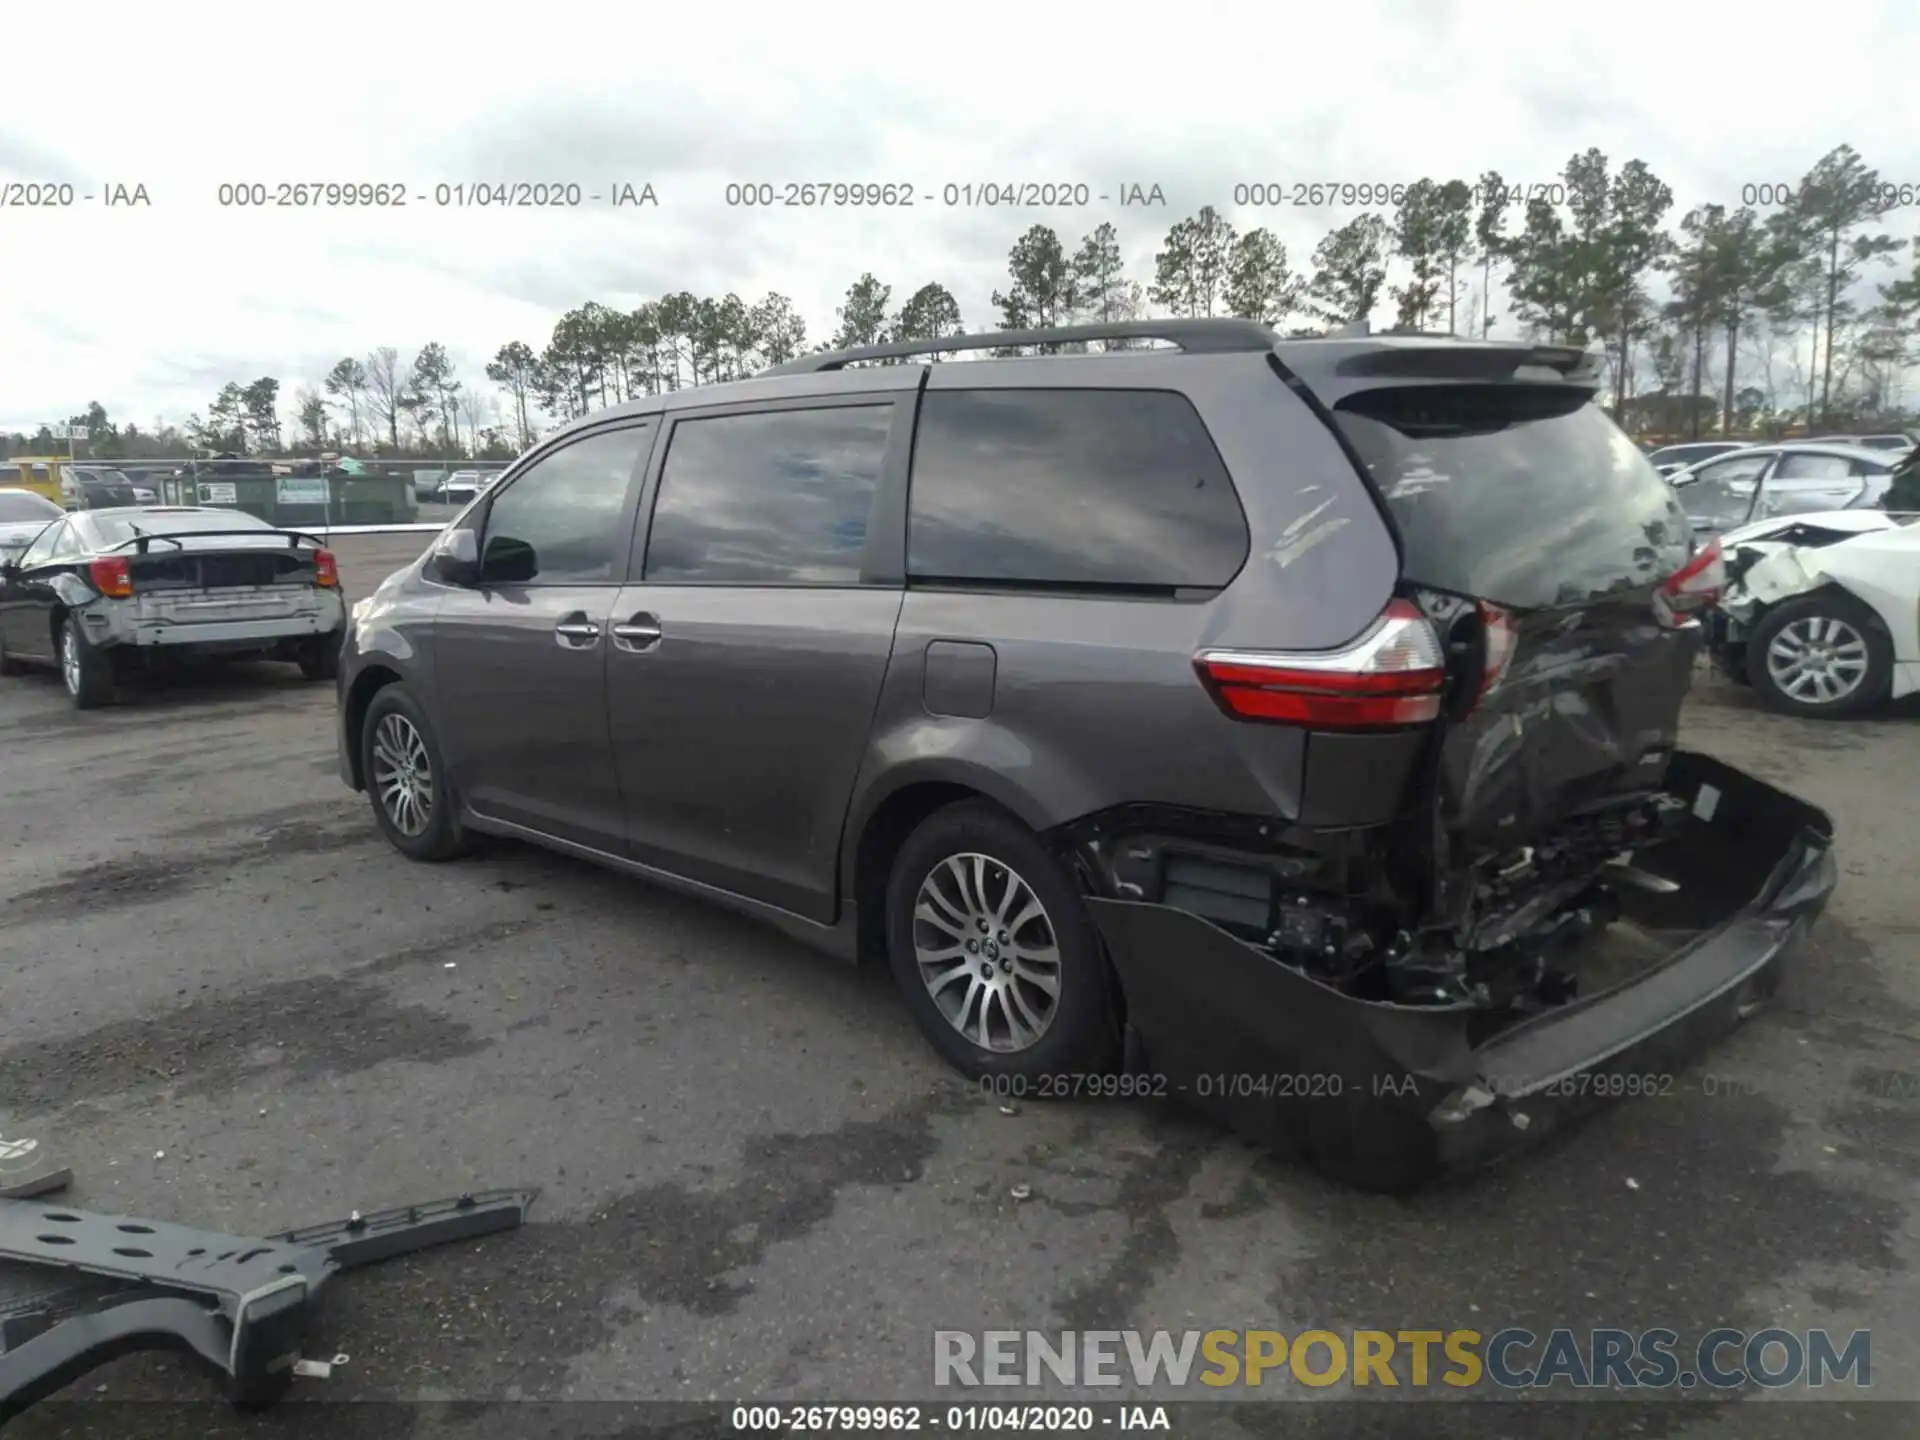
x=1509 y=1359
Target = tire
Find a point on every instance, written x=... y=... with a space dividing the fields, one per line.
x=1832 y=622
x=385 y=750
x=86 y=671
x=1080 y=1033
x=319 y=658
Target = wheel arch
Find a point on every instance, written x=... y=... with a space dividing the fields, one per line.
x=888 y=814
x=359 y=699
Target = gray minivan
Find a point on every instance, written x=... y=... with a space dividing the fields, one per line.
x=1288 y=726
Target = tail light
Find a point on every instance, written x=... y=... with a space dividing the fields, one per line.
x=1392 y=675
x=325 y=571
x=1502 y=635
x=112 y=576
x=1694 y=587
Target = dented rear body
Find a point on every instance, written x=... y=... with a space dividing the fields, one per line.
x=1453 y=856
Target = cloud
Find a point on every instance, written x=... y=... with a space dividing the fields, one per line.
x=150 y=310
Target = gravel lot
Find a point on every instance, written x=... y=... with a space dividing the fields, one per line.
x=759 y=1183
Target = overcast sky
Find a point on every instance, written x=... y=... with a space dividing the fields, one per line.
x=151 y=310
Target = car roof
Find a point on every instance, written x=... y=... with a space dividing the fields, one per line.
x=1346 y=359
x=1816 y=447
x=1845 y=448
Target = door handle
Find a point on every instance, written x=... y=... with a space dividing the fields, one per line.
x=637 y=632
x=576 y=632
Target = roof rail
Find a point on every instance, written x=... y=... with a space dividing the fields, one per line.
x=1213 y=336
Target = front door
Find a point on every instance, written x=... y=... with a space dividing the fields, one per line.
x=1721 y=494
x=746 y=659
x=520 y=656
x=27 y=598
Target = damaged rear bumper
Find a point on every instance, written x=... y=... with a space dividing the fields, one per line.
x=1388 y=1095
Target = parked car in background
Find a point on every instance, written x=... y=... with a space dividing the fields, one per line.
x=23 y=515
x=462 y=485
x=101 y=487
x=98 y=591
x=1669 y=458
x=1822 y=611
x=1251 y=707
x=1759 y=482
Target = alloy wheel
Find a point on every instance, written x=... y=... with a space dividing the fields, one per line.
x=402 y=774
x=1817 y=660
x=987 y=952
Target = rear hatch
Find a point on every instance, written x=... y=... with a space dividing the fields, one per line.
x=1544 y=548
x=222 y=562
x=213 y=578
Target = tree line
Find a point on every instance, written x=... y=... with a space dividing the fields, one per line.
x=1725 y=319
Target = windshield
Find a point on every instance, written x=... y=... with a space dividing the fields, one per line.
x=1527 y=496
x=20 y=509
x=117 y=529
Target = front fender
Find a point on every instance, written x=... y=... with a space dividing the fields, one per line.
x=387 y=640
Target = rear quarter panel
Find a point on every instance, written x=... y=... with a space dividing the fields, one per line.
x=1093 y=699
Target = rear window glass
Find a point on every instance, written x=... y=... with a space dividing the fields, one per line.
x=1524 y=495
x=116 y=529
x=1096 y=488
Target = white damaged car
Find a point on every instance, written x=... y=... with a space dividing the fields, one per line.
x=1821 y=613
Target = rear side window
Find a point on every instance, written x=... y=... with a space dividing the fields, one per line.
x=1527 y=496
x=1809 y=465
x=42 y=547
x=777 y=498
x=1099 y=488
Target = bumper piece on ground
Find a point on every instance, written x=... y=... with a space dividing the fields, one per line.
x=241 y=1305
x=1388 y=1096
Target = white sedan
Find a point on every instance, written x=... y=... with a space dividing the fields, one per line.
x=462 y=485
x=1821 y=614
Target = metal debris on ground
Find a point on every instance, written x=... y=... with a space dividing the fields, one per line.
x=240 y=1304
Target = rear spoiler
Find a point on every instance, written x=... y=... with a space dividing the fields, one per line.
x=142 y=542
x=1335 y=368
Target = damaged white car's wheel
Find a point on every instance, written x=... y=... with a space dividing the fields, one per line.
x=1820 y=655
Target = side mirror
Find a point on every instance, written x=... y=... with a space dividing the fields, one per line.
x=456 y=558
x=508 y=562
